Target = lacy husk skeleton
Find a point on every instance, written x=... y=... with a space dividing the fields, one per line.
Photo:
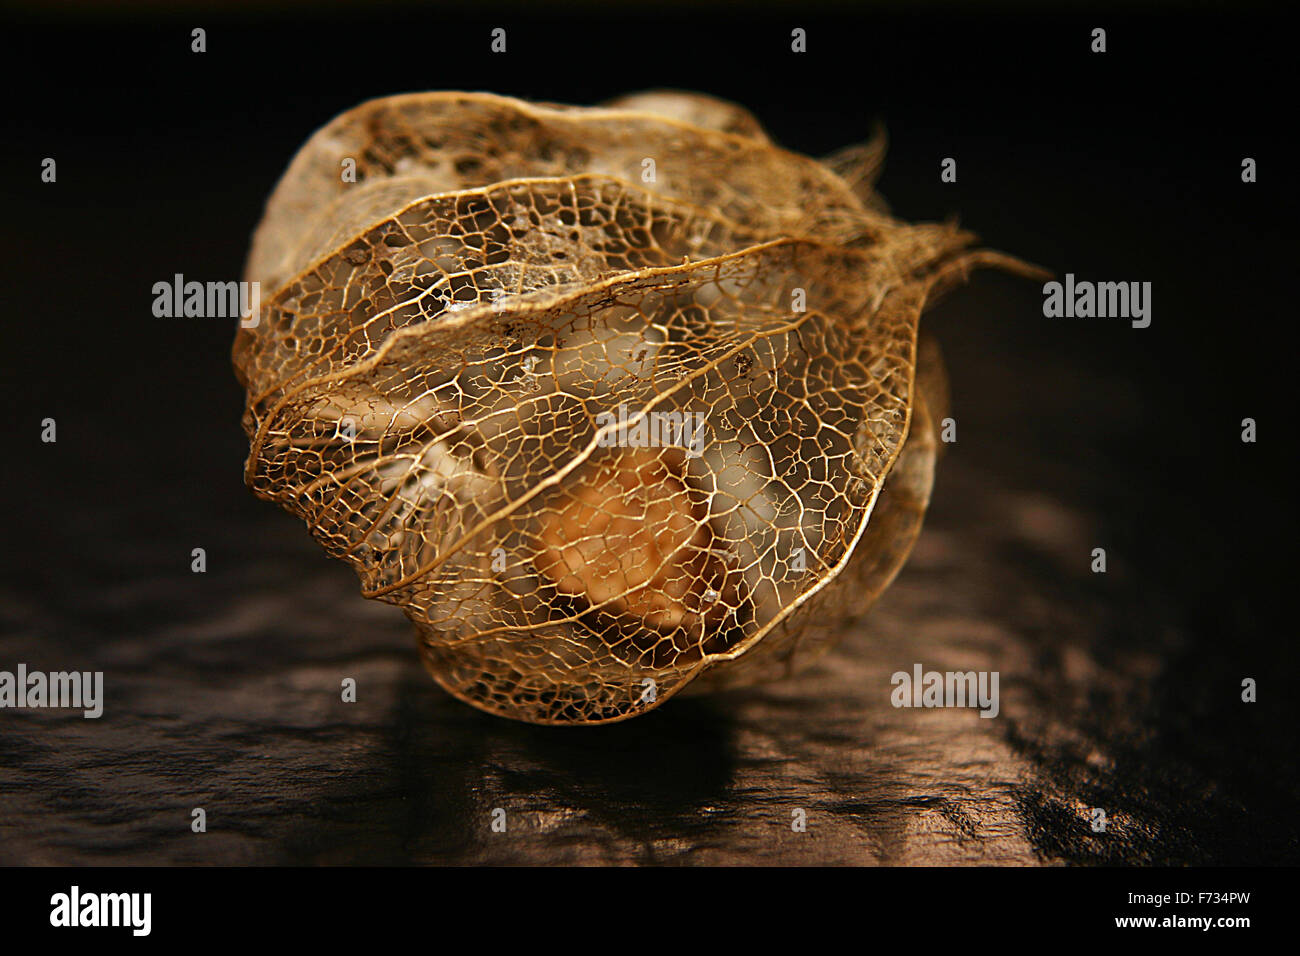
x=608 y=401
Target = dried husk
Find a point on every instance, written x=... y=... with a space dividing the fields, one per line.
x=441 y=341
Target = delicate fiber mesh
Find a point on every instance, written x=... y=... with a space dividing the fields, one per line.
x=596 y=433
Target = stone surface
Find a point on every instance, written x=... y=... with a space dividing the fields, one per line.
x=223 y=690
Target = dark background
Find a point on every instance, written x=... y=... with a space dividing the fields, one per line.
x=1120 y=691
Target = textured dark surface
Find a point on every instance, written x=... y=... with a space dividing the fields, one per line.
x=223 y=692
x=1119 y=691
